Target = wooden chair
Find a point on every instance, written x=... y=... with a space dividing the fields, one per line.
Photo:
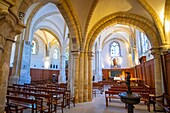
x=20 y=103
x=69 y=98
x=145 y=98
x=58 y=99
x=163 y=101
x=12 y=108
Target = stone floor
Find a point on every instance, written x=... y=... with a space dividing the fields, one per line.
x=98 y=106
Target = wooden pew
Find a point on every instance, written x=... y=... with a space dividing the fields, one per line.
x=22 y=102
x=98 y=86
x=110 y=95
x=39 y=97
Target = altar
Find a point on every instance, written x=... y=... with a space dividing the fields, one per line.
x=117 y=73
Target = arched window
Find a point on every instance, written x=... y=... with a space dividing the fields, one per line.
x=115 y=49
x=33 y=48
x=55 y=54
x=144 y=43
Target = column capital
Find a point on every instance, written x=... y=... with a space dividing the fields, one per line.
x=62 y=55
x=90 y=55
x=75 y=54
x=11 y=37
x=165 y=49
x=156 y=51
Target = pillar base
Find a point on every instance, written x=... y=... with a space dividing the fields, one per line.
x=25 y=79
x=62 y=79
x=13 y=80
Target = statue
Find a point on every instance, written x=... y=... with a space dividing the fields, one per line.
x=114 y=62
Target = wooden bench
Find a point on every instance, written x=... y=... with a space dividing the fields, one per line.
x=22 y=102
x=110 y=95
x=41 y=98
x=98 y=86
x=163 y=101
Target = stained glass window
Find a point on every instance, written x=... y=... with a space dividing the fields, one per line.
x=115 y=49
x=145 y=43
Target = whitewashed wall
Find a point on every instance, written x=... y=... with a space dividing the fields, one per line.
x=54 y=62
x=126 y=58
x=37 y=60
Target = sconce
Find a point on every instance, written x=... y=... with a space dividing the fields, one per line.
x=21 y=15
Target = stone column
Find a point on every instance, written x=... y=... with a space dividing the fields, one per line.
x=158 y=72
x=70 y=70
x=167 y=22
x=81 y=76
x=90 y=58
x=14 y=78
x=4 y=70
x=9 y=27
x=75 y=77
x=98 y=66
x=25 y=63
x=62 y=76
x=85 y=99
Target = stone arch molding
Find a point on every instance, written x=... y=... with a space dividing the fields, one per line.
x=133 y=20
x=68 y=14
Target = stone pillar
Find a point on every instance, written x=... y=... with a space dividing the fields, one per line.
x=25 y=63
x=98 y=66
x=62 y=76
x=70 y=70
x=14 y=79
x=85 y=99
x=167 y=22
x=90 y=58
x=9 y=27
x=4 y=70
x=81 y=76
x=158 y=72
x=75 y=77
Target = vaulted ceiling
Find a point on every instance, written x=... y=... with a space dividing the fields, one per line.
x=89 y=12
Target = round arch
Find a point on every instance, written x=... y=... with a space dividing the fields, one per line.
x=51 y=31
x=67 y=12
x=133 y=20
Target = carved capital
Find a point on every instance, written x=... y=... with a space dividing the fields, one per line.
x=164 y=49
x=75 y=54
x=156 y=52
x=11 y=37
x=90 y=55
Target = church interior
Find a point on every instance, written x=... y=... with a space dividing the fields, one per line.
x=77 y=50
